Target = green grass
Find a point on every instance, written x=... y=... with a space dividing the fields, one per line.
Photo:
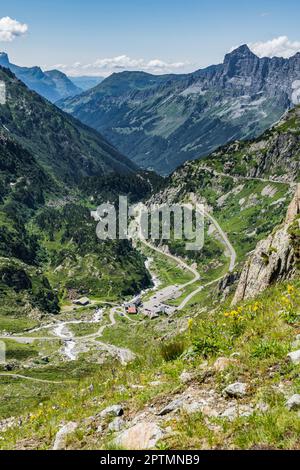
x=257 y=330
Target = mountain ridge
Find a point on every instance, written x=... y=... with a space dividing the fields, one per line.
x=162 y=121
x=52 y=85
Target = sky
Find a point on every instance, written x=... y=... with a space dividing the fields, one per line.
x=98 y=37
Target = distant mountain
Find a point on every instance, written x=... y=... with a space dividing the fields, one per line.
x=53 y=85
x=85 y=82
x=63 y=146
x=162 y=121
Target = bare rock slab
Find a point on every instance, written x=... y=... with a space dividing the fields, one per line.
x=142 y=436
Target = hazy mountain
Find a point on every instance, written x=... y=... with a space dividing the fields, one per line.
x=53 y=85
x=162 y=121
x=86 y=82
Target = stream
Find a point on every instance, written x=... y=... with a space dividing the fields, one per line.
x=62 y=331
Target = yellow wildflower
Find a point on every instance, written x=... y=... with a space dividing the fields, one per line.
x=290 y=289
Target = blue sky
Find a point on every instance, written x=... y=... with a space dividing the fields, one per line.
x=98 y=36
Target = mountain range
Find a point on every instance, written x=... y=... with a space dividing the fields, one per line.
x=53 y=84
x=162 y=121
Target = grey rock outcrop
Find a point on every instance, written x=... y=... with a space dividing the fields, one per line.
x=293 y=403
x=142 y=436
x=236 y=390
x=113 y=411
x=273 y=259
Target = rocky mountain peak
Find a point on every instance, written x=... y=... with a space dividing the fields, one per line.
x=4 y=60
x=240 y=52
x=240 y=61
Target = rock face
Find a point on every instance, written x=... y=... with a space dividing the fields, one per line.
x=142 y=436
x=273 y=259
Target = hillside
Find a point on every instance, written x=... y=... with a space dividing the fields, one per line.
x=162 y=121
x=213 y=378
x=52 y=85
x=62 y=145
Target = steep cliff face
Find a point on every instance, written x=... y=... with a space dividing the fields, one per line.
x=274 y=258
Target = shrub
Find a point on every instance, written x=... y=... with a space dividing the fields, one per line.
x=208 y=346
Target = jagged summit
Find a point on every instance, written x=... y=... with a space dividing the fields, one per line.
x=241 y=51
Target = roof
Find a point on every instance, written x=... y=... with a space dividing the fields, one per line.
x=83 y=301
x=132 y=309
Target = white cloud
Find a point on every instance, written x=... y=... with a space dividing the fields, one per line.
x=279 y=47
x=108 y=65
x=11 y=29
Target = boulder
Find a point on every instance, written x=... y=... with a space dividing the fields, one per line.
x=236 y=390
x=195 y=407
x=186 y=377
x=142 y=436
x=61 y=436
x=293 y=403
x=234 y=412
x=173 y=406
x=113 y=411
x=294 y=357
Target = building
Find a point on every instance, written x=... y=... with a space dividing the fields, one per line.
x=132 y=310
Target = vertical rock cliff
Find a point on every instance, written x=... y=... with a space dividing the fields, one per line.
x=274 y=258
